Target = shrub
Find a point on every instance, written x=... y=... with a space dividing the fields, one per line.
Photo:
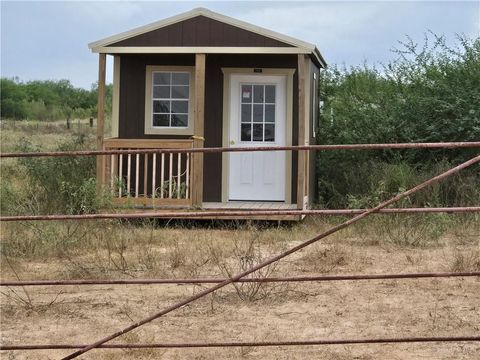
x=63 y=184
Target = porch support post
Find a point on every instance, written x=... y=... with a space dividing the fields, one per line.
x=302 y=156
x=198 y=140
x=101 y=119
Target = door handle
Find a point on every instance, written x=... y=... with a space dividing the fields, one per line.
x=232 y=142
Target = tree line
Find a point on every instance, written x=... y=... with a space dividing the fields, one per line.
x=46 y=100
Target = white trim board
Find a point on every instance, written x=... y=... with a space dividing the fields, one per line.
x=116 y=97
x=198 y=49
x=102 y=45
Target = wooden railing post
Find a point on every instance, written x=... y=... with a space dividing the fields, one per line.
x=199 y=118
x=101 y=120
x=302 y=156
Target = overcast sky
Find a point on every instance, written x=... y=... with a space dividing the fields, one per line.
x=48 y=40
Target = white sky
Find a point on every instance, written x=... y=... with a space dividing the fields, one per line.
x=48 y=40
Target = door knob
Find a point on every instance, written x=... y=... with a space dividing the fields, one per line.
x=232 y=142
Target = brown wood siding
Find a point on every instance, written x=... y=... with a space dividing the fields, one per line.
x=132 y=104
x=201 y=31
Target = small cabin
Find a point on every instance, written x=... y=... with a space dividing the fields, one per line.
x=202 y=79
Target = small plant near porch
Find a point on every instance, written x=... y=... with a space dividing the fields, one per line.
x=172 y=188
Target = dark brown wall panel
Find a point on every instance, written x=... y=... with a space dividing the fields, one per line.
x=216 y=34
x=189 y=31
x=132 y=91
x=175 y=33
x=200 y=31
x=132 y=104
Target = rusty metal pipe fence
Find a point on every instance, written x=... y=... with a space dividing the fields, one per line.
x=251 y=343
x=273 y=259
x=438 y=145
x=194 y=281
x=233 y=213
x=242 y=277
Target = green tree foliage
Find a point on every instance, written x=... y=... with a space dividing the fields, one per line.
x=431 y=93
x=48 y=100
x=13 y=100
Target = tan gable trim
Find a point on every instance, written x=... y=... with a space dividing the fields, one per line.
x=198 y=49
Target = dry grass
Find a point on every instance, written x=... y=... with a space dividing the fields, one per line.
x=43 y=134
x=466 y=260
x=310 y=310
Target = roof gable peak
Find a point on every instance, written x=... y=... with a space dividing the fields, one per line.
x=200 y=11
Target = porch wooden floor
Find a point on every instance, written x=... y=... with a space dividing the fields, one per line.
x=248 y=205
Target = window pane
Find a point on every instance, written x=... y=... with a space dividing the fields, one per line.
x=257 y=113
x=179 y=92
x=269 y=113
x=269 y=132
x=161 y=106
x=179 y=120
x=180 y=107
x=270 y=93
x=257 y=132
x=246 y=93
x=161 y=92
x=258 y=93
x=167 y=86
x=180 y=78
x=246 y=132
x=161 y=120
x=161 y=78
x=246 y=113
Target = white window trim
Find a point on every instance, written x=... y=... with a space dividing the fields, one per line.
x=154 y=130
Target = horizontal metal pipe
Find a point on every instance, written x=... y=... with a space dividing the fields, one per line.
x=235 y=213
x=444 y=145
x=243 y=280
x=250 y=343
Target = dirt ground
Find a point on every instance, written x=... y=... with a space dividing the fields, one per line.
x=302 y=311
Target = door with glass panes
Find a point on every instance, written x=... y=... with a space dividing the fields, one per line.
x=257 y=118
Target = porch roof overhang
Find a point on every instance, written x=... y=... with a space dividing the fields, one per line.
x=292 y=45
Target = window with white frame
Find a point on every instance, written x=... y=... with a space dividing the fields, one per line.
x=169 y=101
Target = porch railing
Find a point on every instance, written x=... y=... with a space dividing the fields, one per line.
x=148 y=179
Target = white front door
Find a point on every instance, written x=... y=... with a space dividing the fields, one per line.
x=257 y=118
